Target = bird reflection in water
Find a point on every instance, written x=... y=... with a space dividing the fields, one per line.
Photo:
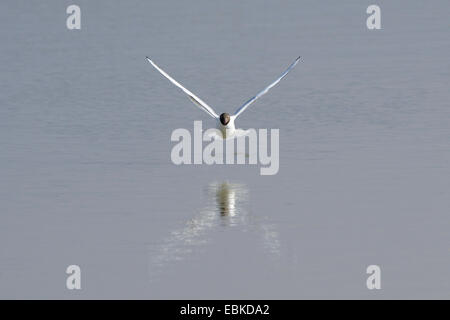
x=229 y=202
x=226 y=200
x=225 y=207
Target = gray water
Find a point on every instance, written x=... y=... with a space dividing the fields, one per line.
x=86 y=176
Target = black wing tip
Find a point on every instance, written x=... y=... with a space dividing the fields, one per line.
x=298 y=58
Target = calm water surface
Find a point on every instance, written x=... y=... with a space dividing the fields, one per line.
x=86 y=176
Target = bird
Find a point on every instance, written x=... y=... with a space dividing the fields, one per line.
x=225 y=121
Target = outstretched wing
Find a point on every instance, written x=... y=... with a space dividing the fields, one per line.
x=263 y=92
x=196 y=100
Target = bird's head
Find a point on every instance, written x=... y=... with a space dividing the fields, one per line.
x=224 y=118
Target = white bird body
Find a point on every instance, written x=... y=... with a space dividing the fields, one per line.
x=228 y=130
x=225 y=122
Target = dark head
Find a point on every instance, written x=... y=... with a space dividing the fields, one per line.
x=224 y=118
